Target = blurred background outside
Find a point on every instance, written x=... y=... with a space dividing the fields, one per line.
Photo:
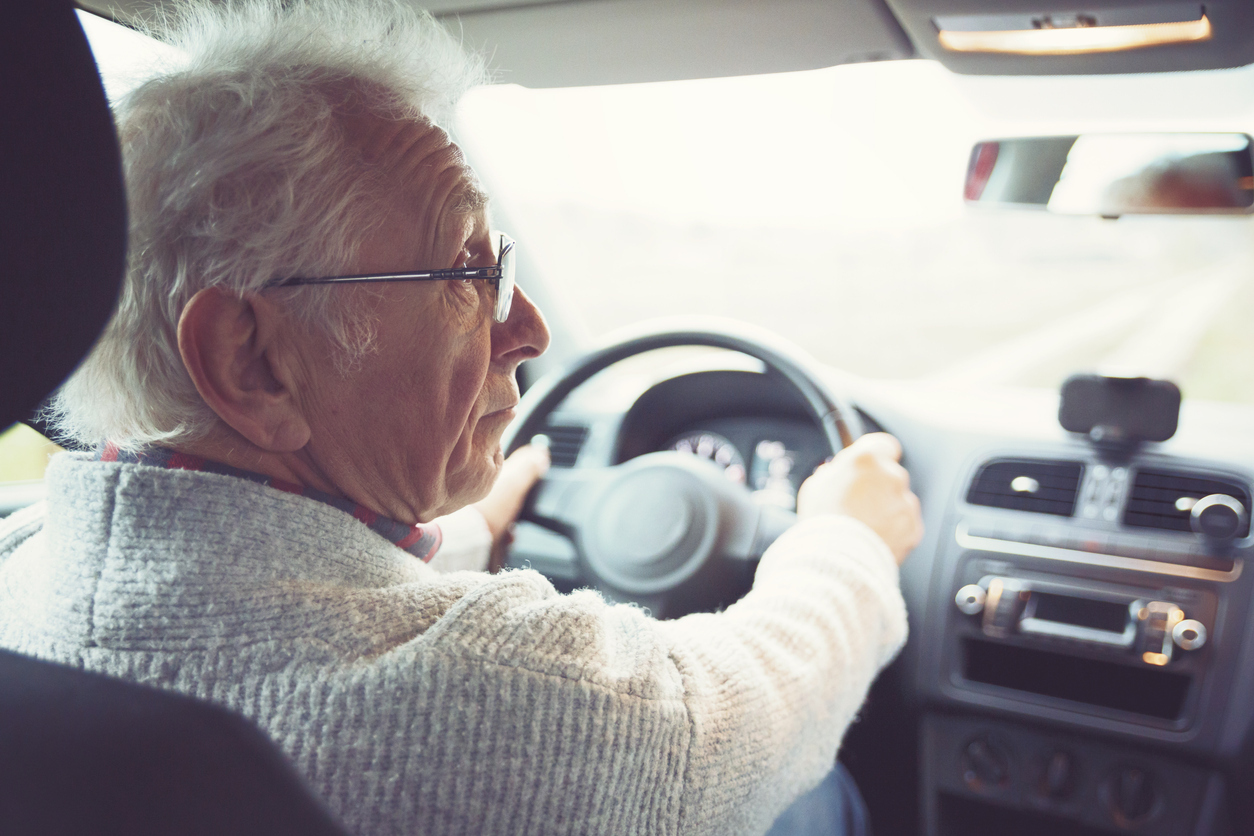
x=827 y=206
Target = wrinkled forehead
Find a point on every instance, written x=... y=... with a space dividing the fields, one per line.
x=466 y=209
x=421 y=165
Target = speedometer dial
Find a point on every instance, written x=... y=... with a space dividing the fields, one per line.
x=717 y=449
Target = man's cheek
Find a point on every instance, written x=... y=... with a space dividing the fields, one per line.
x=468 y=387
x=465 y=428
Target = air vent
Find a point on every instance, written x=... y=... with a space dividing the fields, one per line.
x=1040 y=486
x=565 y=442
x=1162 y=499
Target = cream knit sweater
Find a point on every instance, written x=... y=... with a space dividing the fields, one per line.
x=422 y=702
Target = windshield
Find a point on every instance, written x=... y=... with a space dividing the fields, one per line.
x=827 y=206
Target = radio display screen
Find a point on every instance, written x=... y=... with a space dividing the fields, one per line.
x=1079 y=612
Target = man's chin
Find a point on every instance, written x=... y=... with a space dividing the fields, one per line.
x=474 y=486
x=496 y=462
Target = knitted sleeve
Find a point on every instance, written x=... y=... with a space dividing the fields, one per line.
x=581 y=717
x=772 y=683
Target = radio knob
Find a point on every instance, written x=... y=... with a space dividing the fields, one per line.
x=970 y=599
x=1189 y=634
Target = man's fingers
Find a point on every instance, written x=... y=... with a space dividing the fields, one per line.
x=525 y=465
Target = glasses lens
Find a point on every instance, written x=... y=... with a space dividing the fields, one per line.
x=505 y=286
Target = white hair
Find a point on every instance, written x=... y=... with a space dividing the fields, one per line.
x=238 y=173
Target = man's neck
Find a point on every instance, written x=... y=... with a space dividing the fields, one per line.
x=230 y=448
x=301 y=467
x=417 y=539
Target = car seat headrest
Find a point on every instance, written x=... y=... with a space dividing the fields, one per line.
x=62 y=203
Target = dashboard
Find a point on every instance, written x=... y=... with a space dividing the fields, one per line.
x=1079 y=658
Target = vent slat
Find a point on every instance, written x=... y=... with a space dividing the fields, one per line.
x=1152 y=500
x=1059 y=483
x=565 y=443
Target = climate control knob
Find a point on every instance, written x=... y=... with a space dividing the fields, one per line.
x=1130 y=796
x=985 y=764
x=1058 y=777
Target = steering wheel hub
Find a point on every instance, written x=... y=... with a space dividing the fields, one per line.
x=652 y=527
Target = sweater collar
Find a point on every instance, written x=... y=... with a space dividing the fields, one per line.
x=129 y=556
x=422 y=541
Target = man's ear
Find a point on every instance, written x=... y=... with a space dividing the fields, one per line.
x=237 y=356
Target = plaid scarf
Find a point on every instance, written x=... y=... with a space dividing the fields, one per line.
x=422 y=541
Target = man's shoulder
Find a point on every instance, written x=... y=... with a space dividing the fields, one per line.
x=19 y=526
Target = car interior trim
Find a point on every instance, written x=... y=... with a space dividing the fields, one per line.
x=1137 y=564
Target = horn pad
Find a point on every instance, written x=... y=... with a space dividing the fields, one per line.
x=652 y=526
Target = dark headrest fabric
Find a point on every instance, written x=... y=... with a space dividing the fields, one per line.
x=62 y=203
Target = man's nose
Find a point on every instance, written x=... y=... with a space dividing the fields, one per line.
x=524 y=334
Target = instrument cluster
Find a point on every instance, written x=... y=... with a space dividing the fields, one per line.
x=769 y=456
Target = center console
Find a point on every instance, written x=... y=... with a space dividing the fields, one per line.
x=1082 y=639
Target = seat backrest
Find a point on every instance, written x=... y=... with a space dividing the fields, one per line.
x=82 y=753
x=62 y=205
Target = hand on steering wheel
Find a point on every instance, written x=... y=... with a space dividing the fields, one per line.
x=867 y=482
x=664 y=529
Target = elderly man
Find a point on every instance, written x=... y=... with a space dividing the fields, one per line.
x=301 y=393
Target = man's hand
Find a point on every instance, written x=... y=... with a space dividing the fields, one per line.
x=501 y=506
x=865 y=481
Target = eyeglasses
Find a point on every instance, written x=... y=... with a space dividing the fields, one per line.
x=501 y=275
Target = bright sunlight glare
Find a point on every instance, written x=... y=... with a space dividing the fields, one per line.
x=798 y=146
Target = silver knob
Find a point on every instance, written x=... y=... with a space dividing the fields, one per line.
x=970 y=599
x=1189 y=634
x=1218 y=517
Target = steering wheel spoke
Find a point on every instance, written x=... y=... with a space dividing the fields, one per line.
x=751 y=542
x=562 y=499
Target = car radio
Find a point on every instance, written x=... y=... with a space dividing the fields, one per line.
x=1099 y=618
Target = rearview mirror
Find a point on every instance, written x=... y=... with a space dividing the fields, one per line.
x=1116 y=174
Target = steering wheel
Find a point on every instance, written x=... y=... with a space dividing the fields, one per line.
x=667 y=530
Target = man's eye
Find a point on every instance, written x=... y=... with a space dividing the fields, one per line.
x=479 y=255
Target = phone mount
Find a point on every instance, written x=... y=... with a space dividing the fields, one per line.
x=1118 y=414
